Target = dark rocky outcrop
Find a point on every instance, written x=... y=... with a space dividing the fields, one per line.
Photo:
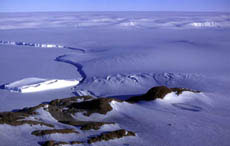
x=59 y=143
x=59 y=108
x=53 y=143
x=17 y=118
x=67 y=101
x=53 y=131
x=30 y=110
x=76 y=142
x=110 y=135
x=29 y=122
x=63 y=110
x=158 y=93
x=99 y=105
x=106 y=136
x=60 y=114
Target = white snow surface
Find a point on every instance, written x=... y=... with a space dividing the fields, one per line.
x=121 y=54
x=29 y=85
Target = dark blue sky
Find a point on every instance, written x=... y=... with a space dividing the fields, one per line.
x=114 y=5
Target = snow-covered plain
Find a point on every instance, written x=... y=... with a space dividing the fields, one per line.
x=120 y=54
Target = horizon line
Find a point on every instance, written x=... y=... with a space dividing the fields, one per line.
x=205 y=11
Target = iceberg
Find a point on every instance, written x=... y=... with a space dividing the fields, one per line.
x=29 y=85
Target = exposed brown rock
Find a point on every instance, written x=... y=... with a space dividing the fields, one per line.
x=62 y=110
x=59 y=143
x=158 y=92
x=29 y=122
x=54 y=143
x=6 y=117
x=59 y=114
x=76 y=142
x=110 y=135
x=18 y=118
x=48 y=143
x=31 y=110
x=67 y=101
x=53 y=131
x=19 y=114
x=59 y=108
x=99 y=105
x=75 y=123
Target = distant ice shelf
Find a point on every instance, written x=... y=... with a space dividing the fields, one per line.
x=204 y=24
x=31 y=44
x=29 y=85
x=38 y=45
